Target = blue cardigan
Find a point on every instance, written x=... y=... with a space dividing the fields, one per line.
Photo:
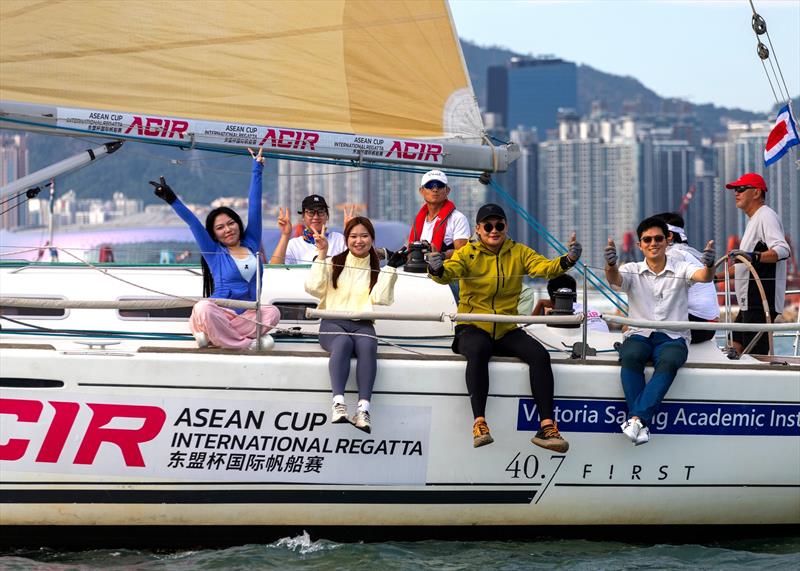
x=228 y=282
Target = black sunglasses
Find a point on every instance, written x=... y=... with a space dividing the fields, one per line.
x=488 y=226
x=658 y=239
x=435 y=185
x=740 y=189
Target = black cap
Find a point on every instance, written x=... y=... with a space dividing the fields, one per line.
x=488 y=211
x=313 y=202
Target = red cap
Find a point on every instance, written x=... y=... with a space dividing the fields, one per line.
x=749 y=179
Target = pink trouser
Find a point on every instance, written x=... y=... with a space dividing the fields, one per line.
x=224 y=328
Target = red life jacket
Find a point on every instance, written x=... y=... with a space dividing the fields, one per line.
x=437 y=239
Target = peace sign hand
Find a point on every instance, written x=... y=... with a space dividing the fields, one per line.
x=350 y=212
x=257 y=157
x=322 y=243
x=284 y=222
x=163 y=191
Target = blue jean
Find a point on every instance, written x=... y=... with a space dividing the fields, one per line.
x=668 y=355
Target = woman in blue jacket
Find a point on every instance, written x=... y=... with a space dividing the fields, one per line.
x=230 y=261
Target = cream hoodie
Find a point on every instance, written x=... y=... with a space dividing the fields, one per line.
x=352 y=291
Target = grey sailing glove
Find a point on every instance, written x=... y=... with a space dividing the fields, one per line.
x=610 y=253
x=708 y=258
x=435 y=264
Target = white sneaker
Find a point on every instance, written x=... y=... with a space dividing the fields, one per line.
x=631 y=428
x=362 y=421
x=202 y=339
x=643 y=437
x=339 y=413
x=267 y=343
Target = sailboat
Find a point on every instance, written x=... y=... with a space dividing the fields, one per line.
x=112 y=419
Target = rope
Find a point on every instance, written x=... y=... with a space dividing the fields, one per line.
x=559 y=247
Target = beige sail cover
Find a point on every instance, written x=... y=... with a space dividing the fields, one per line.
x=388 y=67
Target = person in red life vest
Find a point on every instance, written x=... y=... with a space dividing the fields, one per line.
x=438 y=222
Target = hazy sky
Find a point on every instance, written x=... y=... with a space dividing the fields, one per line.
x=700 y=50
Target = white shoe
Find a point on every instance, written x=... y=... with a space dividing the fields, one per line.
x=267 y=343
x=631 y=428
x=643 y=437
x=202 y=339
x=362 y=421
x=339 y=413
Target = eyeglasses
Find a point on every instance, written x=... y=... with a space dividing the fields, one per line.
x=435 y=185
x=318 y=212
x=488 y=226
x=740 y=189
x=658 y=239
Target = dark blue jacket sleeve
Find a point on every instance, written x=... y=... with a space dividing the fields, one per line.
x=207 y=245
x=252 y=234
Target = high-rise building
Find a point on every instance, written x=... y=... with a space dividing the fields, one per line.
x=744 y=152
x=589 y=185
x=537 y=89
x=13 y=165
x=522 y=183
x=668 y=173
x=497 y=94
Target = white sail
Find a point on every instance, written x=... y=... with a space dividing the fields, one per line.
x=352 y=79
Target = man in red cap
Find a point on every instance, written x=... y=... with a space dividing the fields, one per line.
x=764 y=246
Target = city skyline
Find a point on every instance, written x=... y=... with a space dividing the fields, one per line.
x=691 y=42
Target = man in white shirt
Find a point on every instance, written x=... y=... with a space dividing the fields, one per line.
x=438 y=222
x=764 y=246
x=657 y=290
x=703 y=302
x=303 y=249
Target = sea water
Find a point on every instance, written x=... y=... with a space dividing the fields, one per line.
x=302 y=552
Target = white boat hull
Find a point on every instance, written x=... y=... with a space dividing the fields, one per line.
x=127 y=435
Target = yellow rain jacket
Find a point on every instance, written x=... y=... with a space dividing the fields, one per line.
x=491 y=283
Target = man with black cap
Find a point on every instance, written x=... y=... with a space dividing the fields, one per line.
x=763 y=244
x=302 y=249
x=490 y=271
x=438 y=222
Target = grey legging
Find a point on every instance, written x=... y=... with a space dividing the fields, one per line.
x=343 y=346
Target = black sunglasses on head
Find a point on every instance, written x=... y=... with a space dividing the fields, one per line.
x=435 y=185
x=488 y=226
x=658 y=239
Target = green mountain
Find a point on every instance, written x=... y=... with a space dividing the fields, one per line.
x=614 y=91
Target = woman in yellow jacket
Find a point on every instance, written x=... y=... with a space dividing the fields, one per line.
x=490 y=271
x=351 y=281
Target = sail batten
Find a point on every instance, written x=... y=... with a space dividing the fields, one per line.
x=391 y=71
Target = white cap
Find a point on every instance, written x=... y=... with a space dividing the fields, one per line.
x=433 y=175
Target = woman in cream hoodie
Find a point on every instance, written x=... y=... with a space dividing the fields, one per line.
x=352 y=281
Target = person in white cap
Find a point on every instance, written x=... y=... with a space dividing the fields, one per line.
x=438 y=222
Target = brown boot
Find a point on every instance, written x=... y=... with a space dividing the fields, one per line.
x=549 y=437
x=480 y=434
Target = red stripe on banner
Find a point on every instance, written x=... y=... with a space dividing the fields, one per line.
x=776 y=135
